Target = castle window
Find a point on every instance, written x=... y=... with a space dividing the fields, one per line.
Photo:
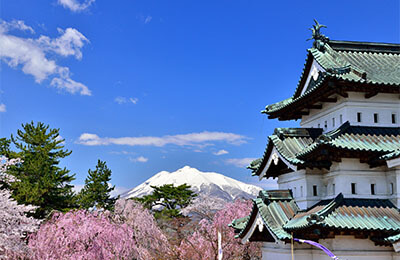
x=353 y=188
x=394 y=121
x=341 y=119
x=333 y=122
x=372 y=189
x=315 y=191
x=359 y=117
x=375 y=118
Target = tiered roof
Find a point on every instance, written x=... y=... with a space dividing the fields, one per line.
x=338 y=67
x=308 y=147
x=376 y=219
x=366 y=67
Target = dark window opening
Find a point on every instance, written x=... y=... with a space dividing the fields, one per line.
x=353 y=188
x=359 y=117
x=372 y=189
x=375 y=118
x=315 y=191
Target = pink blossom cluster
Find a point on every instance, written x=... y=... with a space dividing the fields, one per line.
x=150 y=240
x=83 y=235
x=203 y=243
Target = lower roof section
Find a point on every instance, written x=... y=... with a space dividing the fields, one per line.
x=376 y=219
x=296 y=148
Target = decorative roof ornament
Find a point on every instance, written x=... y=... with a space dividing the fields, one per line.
x=319 y=39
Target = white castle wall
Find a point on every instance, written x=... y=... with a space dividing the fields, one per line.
x=338 y=180
x=332 y=115
x=344 y=247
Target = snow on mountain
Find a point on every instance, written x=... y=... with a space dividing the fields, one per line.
x=204 y=183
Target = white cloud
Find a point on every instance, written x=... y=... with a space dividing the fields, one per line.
x=69 y=43
x=78 y=187
x=29 y=55
x=221 y=152
x=134 y=100
x=16 y=25
x=2 y=108
x=59 y=138
x=117 y=190
x=75 y=5
x=240 y=162
x=148 y=19
x=139 y=159
x=123 y=100
x=192 y=139
x=120 y=100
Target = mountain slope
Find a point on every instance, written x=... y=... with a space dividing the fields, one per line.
x=205 y=183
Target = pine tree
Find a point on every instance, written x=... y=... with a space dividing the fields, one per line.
x=41 y=181
x=171 y=199
x=96 y=191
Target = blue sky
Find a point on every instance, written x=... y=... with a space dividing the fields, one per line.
x=157 y=85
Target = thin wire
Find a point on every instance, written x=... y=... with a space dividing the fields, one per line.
x=292 y=247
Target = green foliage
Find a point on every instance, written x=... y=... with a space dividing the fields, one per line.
x=170 y=198
x=96 y=191
x=41 y=181
x=5 y=148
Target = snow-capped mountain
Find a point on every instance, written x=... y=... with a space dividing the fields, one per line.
x=204 y=183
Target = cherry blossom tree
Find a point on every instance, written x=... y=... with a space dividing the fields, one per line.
x=150 y=240
x=83 y=235
x=203 y=243
x=14 y=224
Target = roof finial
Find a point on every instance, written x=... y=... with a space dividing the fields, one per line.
x=319 y=39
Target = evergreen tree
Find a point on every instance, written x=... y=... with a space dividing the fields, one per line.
x=96 y=191
x=41 y=181
x=172 y=199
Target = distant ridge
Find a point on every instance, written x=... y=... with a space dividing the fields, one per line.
x=209 y=184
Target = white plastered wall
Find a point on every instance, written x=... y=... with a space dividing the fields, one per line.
x=341 y=175
x=346 y=109
x=344 y=247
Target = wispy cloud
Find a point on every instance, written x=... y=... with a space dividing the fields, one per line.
x=221 y=152
x=148 y=19
x=191 y=139
x=239 y=162
x=2 y=108
x=29 y=55
x=141 y=159
x=117 y=189
x=123 y=100
x=76 y=6
x=144 y=18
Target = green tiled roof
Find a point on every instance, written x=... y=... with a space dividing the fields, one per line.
x=302 y=146
x=288 y=142
x=281 y=216
x=369 y=64
x=276 y=208
x=393 y=239
x=240 y=223
x=382 y=140
x=390 y=156
x=349 y=214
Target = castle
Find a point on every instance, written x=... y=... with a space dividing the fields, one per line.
x=339 y=173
